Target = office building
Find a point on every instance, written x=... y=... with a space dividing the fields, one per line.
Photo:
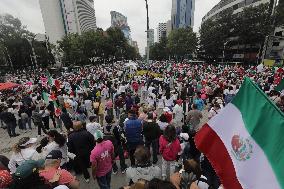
x=182 y=13
x=236 y=5
x=151 y=37
x=162 y=31
x=62 y=17
x=275 y=45
x=169 y=27
x=118 y=20
x=135 y=45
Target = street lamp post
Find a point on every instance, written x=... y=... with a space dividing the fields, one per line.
x=148 y=41
x=224 y=50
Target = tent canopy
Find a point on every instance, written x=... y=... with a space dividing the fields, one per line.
x=8 y=85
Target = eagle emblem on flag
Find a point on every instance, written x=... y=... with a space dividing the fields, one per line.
x=241 y=148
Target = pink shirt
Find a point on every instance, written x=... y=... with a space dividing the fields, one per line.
x=109 y=104
x=101 y=157
x=65 y=176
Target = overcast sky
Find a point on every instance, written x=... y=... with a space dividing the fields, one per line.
x=28 y=11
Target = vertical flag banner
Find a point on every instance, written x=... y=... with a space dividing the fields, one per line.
x=245 y=143
x=45 y=97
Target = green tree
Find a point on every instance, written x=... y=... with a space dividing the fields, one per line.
x=279 y=18
x=246 y=30
x=15 y=45
x=214 y=34
x=81 y=49
x=182 y=42
x=159 y=51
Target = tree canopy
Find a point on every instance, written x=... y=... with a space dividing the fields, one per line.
x=16 y=45
x=109 y=44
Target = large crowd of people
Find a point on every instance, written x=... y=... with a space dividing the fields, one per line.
x=91 y=119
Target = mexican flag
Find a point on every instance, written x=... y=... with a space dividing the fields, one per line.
x=45 y=97
x=245 y=142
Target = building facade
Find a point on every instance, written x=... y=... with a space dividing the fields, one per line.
x=236 y=5
x=62 y=17
x=275 y=45
x=169 y=27
x=151 y=37
x=120 y=21
x=162 y=31
x=135 y=45
x=182 y=15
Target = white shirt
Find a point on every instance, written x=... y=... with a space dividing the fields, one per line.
x=161 y=103
x=162 y=125
x=18 y=158
x=88 y=104
x=93 y=127
x=178 y=111
x=169 y=102
x=54 y=146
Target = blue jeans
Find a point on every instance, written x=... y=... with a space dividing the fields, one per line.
x=104 y=181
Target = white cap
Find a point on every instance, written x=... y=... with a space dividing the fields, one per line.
x=184 y=136
x=202 y=185
x=31 y=141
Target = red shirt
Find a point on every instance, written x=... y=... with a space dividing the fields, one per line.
x=5 y=179
x=65 y=176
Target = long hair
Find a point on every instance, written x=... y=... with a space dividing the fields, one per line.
x=17 y=147
x=170 y=133
x=58 y=138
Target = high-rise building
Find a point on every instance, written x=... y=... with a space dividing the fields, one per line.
x=182 y=13
x=135 y=45
x=169 y=27
x=236 y=5
x=120 y=21
x=151 y=37
x=62 y=17
x=162 y=31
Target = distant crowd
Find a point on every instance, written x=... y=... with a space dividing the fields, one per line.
x=91 y=120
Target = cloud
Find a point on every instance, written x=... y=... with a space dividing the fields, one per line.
x=28 y=11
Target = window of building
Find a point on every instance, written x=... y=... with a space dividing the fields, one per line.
x=275 y=44
x=236 y=6
x=278 y=33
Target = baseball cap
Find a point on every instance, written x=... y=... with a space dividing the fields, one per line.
x=98 y=134
x=28 y=167
x=54 y=154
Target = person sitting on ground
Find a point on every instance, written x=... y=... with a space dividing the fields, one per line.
x=143 y=169
x=22 y=151
x=52 y=168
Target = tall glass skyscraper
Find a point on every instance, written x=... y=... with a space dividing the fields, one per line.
x=62 y=17
x=182 y=13
x=120 y=21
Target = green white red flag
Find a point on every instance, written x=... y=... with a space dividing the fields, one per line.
x=245 y=142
